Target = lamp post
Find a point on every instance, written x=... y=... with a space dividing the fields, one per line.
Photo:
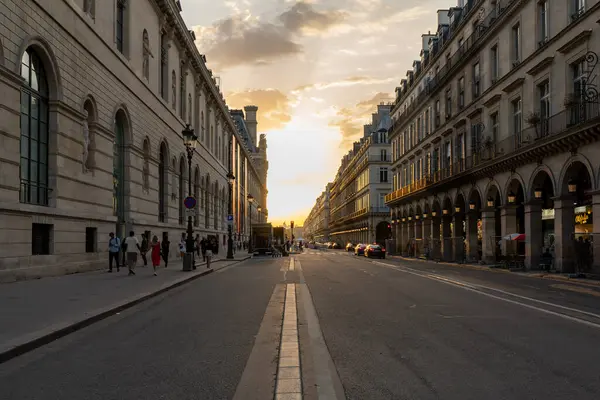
x=189 y=140
x=259 y=210
x=250 y=244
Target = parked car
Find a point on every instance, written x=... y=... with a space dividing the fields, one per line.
x=349 y=247
x=359 y=249
x=374 y=250
x=336 y=246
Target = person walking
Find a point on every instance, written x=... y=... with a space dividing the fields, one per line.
x=165 y=249
x=145 y=249
x=155 y=255
x=197 y=245
x=114 y=246
x=131 y=244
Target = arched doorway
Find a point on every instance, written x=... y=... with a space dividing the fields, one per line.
x=492 y=225
x=574 y=242
x=383 y=231
x=540 y=243
x=474 y=227
x=458 y=229
x=514 y=223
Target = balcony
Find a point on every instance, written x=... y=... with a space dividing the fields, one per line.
x=559 y=133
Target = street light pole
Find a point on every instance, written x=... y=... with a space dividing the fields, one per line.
x=231 y=179
x=250 y=244
x=189 y=140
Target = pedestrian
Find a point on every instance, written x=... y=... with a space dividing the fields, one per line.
x=114 y=246
x=203 y=246
x=182 y=246
x=197 y=245
x=155 y=255
x=131 y=244
x=165 y=249
x=145 y=249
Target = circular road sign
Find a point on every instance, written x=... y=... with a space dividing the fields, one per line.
x=189 y=202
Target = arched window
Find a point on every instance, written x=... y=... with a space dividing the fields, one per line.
x=146 y=56
x=88 y=159
x=212 y=139
x=181 y=189
x=121 y=26
x=207 y=201
x=173 y=90
x=202 y=126
x=182 y=76
x=119 y=167
x=190 y=109
x=163 y=83
x=216 y=205
x=34 y=131
x=163 y=171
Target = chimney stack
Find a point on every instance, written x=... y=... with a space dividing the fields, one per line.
x=251 y=122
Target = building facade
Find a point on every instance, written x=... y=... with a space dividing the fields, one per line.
x=495 y=134
x=316 y=224
x=357 y=209
x=94 y=100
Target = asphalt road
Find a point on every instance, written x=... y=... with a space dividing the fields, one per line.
x=192 y=343
x=430 y=332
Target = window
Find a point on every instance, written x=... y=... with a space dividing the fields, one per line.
x=163 y=168
x=121 y=25
x=189 y=109
x=577 y=9
x=89 y=8
x=516 y=106
x=419 y=130
x=516 y=44
x=495 y=124
x=543 y=22
x=119 y=167
x=173 y=90
x=41 y=237
x=182 y=189
x=579 y=79
x=461 y=93
x=91 y=236
x=427 y=122
x=543 y=90
x=435 y=166
x=438 y=112
x=383 y=174
x=448 y=103
x=476 y=142
x=476 y=80
x=384 y=155
x=460 y=151
x=182 y=100
x=494 y=63
x=448 y=155
x=202 y=126
x=164 y=67
x=34 y=131
x=146 y=56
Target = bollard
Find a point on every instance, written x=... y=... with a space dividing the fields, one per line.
x=208 y=257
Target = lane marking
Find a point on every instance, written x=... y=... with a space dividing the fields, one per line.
x=577 y=289
x=292 y=263
x=289 y=378
x=478 y=289
x=328 y=384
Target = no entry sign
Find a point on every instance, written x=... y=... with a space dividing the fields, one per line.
x=189 y=202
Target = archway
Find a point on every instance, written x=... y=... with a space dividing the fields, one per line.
x=458 y=228
x=474 y=226
x=514 y=221
x=577 y=219
x=492 y=224
x=542 y=243
x=383 y=231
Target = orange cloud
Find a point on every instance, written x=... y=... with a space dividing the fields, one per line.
x=273 y=107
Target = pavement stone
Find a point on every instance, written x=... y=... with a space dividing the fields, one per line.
x=35 y=312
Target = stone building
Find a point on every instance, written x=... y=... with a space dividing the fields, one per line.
x=94 y=99
x=357 y=209
x=495 y=133
x=316 y=224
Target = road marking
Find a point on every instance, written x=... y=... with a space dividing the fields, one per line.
x=292 y=264
x=326 y=379
x=289 y=381
x=479 y=289
x=258 y=379
x=578 y=289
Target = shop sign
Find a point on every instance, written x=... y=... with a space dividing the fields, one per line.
x=547 y=214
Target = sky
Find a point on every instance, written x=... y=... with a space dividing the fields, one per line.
x=316 y=69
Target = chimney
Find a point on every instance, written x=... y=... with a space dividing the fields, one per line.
x=251 y=122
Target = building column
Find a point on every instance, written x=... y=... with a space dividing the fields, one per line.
x=534 y=238
x=564 y=227
x=472 y=240
x=489 y=240
x=596 y=228
x=436 y=244
x=508 y=218
x=446 y=239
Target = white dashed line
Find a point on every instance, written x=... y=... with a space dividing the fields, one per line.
x=289 y=381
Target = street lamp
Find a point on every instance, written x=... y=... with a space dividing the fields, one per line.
x=259 y=210
x=512 y=197
x=250 y=244
x=472 y=205
x=572 y=186
x=490 y=202
x=537 y=193
x=189 y=140
x=231 y=179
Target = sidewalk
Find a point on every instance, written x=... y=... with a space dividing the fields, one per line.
x=36 y=312
x=529 y=274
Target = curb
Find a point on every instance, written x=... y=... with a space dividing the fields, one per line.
x=505 y=271
x=30 y=345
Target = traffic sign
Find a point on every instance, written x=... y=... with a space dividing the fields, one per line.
x=189 y=202
x=230 y=218
x=190 y=212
